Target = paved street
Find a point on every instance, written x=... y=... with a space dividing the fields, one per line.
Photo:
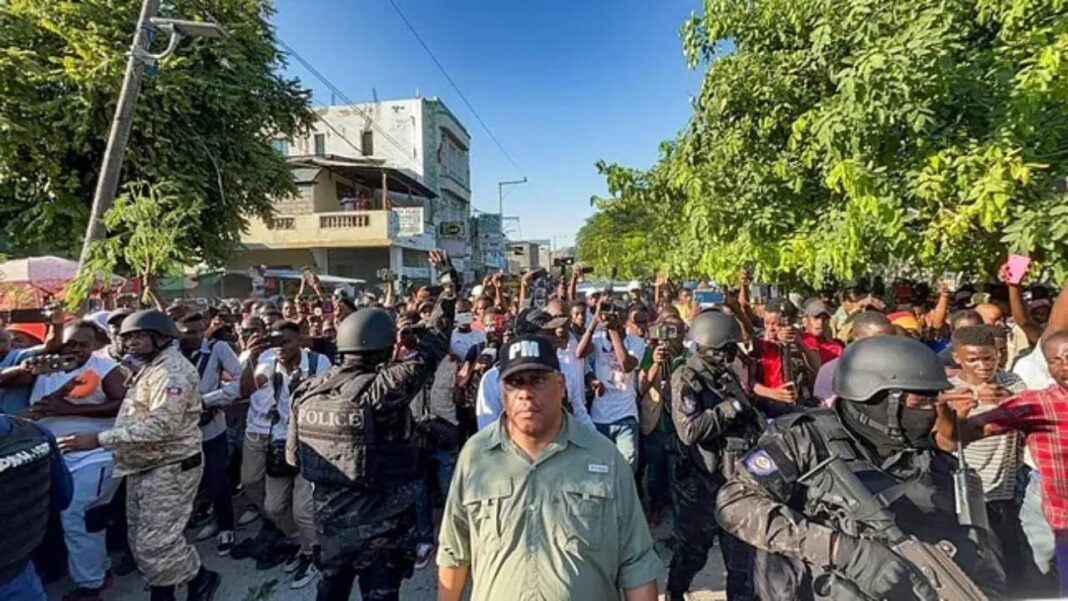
x=241 y=581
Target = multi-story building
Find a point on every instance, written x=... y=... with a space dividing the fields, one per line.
x=342 y=223
x=529 y=254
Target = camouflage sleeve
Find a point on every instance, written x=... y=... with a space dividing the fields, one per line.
x=754 y=504
x=397 y=384
x=693 y=423
x=171 y=398
x=291 y=437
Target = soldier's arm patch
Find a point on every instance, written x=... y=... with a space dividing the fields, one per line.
x=688 y=404
x=760 y=464
x=174 y=391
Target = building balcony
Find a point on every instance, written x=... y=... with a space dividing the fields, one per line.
x=323 y=230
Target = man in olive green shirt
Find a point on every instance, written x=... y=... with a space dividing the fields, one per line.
x=540 y=507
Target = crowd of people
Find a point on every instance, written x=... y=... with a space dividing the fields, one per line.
x=553 y=429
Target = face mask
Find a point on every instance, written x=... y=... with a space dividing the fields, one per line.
x=722 y=356
x=464 y=319
x=916 y=424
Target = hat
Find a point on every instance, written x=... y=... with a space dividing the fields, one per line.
x=634 y=285
x=543 y=320
x=817 y=307
x=528 y=353
x=116 y=316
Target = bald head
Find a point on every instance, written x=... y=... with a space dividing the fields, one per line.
x=991 y=314
x=871 y=323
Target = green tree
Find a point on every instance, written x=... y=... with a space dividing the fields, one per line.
x=147 y=227
x=204 y=121
x=839 y=136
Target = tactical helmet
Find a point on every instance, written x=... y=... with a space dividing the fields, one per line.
x=366 y=330
x=149 y=320
x=874 y=365
x=715 y=330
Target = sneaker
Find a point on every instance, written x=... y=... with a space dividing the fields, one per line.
x=423 y=553
x=224 y=543
x=305 y=572
x=203 y=586
x=201 y=517
x=209 y=530
x=250 y=515
x=292 y=563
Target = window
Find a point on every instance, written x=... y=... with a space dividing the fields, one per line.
x=367 y=143
x=320 y=144
x=281 y=145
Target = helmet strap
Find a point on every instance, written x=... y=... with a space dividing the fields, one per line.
x=893 y=415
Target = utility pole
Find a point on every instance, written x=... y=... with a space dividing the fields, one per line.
x=110 y=170
x=500 y=193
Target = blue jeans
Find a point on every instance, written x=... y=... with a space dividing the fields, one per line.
x=624 y=433
x=87 y=555
x=1035 y=527
x=25 y=586
x=441 y=465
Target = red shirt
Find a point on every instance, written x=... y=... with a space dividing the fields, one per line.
x=1042 y=415
x=769 y=363
x=828 y=349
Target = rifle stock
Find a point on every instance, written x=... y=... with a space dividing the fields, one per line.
x=935 y=564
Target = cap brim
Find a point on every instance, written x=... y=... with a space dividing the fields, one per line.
x=556 y=322
x=515 y=369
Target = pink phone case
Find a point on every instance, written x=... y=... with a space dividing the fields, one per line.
x=1018 y=265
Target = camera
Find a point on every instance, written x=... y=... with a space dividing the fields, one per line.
x=563 y=261
x=586 y=270
x=384 y=275
x=50 y=364
x=275 y=340
x=608 y=310
x=539 y=273
x=664 y=332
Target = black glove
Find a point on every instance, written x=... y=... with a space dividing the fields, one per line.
x=879 y=572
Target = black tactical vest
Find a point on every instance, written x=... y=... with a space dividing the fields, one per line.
x=711 y=386
x=917 y=489
x=341 y=442
x=25 y=478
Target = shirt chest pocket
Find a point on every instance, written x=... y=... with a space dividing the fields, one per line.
x=584 y=506
x=486 y=505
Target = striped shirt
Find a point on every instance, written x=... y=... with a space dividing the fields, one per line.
x=996 y=458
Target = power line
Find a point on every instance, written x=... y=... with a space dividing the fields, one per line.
x=455 y=87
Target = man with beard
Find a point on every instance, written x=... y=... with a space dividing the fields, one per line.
x=789 y=500
x=157 y=446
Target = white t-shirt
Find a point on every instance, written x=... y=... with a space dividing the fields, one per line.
x=462 y=341
x=489 y=405
x=95 y=370
x=1034 y=371
x=262 y=400
x=620 y=388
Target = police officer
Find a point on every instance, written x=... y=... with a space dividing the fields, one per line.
x=157 y=443
x=352 y=434
x=36 y=480
x=785 y=502
x=716 y=425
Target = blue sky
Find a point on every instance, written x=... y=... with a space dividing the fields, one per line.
x=561 y=84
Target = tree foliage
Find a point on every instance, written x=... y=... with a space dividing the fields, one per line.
x=842 y=135
x=147 y=226
x=203 y=123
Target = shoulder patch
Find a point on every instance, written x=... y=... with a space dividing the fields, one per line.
x=174 y=391
x=759 y=463
x=689 y=404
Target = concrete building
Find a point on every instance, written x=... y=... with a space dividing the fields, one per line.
x=342 y=223
x=529 y=254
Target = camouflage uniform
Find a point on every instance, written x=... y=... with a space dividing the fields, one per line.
x=698 y=390
x=157 y=443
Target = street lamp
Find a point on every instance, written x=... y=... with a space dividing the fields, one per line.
x=111 y=167
x=500 y=193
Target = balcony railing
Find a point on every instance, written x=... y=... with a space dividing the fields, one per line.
x=319 y=230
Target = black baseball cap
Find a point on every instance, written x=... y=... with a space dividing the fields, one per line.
x=528 y=353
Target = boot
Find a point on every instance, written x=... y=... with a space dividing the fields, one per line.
x=162 y=593
x=203 y=586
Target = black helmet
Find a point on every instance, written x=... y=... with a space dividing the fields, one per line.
x=149 y=320
x=366 y=330
x=117 y=316
x=715 y=330
x=874 y=365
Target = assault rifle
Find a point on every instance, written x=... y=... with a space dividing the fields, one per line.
x=947 y=578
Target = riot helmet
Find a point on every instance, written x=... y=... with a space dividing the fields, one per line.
x=873 y=377
x=149 y=320
x=366 y=330
x=715 y=330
